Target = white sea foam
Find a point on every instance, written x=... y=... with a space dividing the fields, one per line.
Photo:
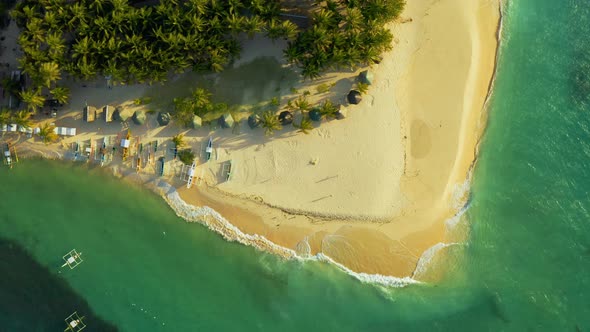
x=370 y=278
x=230 y=232
x=426 y=258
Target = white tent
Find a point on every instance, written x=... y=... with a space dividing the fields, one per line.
x=12 y=128
x=125 y=143
x=37 y=131
x=63 y=131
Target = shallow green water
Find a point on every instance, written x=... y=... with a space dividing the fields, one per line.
x=525 y=267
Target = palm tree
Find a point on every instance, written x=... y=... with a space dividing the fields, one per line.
x=5 y=116
x=328 y=109
x=302 y=104
x=33 y=99
x=270 y=122
x=56 y=46
x=47 y=133
x=178 y=140
x=290 y=30
x=22 y=119
x=48 y=73
x=305 y=126
x=61 y=94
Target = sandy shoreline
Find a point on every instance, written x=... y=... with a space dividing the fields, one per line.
x=387 y=177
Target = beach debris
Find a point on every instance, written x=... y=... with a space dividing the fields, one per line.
x=139 y=117
x=366 y=77
x=314 y=161
x=315 y=114
x=354 y=97
x=89 y=113
x=286 y=118
x=163 y=118
x=75 y=323
x=253 y=121
x=72 y=259
x=226 y=121
x=197 y=122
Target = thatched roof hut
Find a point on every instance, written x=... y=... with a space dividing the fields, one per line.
x=354 y=97
x=315 y=114
x=226 y=121
x=139 y=117
x=108 y=113
x=89 y=113
x=122 y=114
x=286 y=118
x=253 y=121
x=366 y=77
x=163 y=118
x=197 y=122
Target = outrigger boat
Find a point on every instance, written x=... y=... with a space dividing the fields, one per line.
x=209 y=149
x=74 y=323
x=191 y=175
x=72 y=259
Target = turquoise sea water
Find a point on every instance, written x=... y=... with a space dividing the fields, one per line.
x=525 y=266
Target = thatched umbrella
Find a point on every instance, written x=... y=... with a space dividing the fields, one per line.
x=89 y=113
x=163 y=118
x=354 y=97
x=197 y=122
x=286 y=118
x=122 y=114
x=253 y=121
x=315 y=114
x=226 y=121
x=139 y=117
x=366 y=77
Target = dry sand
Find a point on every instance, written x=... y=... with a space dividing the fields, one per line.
x=385 y=179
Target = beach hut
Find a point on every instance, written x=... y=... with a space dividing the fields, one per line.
x=286 y=118
x=354 y=97
x=89 y=113
x=108 y=113
x=253 y=121
x=315 y=114
x=197 y=122
x=163 y=118
x=366 y=77
x=226 y=121
x=139 y=117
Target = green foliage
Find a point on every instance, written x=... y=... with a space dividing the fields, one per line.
x=362 y=87
x=328 y=109
x=302 y=104
x=178 y=140
x=145 y=43
x=47 y=133
x=5 y=116
x=323 y=88
x=275 y=101
x=305 y=126
x=343 y=33
x=270 y=122
x=187 y=156
x=33 y=99
x=22 y=119
x=61 y=94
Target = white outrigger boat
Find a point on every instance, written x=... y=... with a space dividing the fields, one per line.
x=72 y=259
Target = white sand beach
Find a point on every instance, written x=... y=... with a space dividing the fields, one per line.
x=371 y=191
